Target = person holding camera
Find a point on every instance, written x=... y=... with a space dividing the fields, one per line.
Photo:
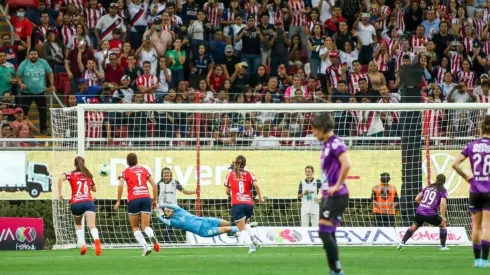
x=252 y=38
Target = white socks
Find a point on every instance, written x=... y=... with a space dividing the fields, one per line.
x=246 y=238
x=140 y=238
x=149 y=232
x=95 y=233
x=80 y=237
x=250 y=231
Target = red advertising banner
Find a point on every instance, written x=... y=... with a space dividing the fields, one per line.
x=21 y=233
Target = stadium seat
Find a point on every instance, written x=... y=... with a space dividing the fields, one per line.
x=67 y=87
x=59 y=81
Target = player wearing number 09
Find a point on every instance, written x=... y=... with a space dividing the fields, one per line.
x=478 y=152
x=177 y=217
x=82 y=204
x=139 y=201
x=239 y=184
x=430 y=199
x=335 y=165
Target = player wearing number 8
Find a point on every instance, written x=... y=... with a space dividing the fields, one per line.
x=478 y=153
x=82 y=204
x=238 y=185
x=139 y=201
x=430 y=199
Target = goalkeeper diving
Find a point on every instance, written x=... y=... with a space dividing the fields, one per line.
x=177 y=217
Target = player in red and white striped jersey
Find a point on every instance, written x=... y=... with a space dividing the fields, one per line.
x=384 y=12
x=419 y=41
x=485 y=96
x=457 y=56
x=335 y=72
x=81 y=202
x=95 y=121
x=147 y=83
x=78 y=3
x=405 y=50
x=92 y=14
x=382 y=57
x=297 y=11
x=466 y=75
x=468 y=38
x=214 y=11
x=478 y=23
x=390 y=118
x=253 y=8
x=399 y=12
x=68 y=30
x=91 y=74
x=355 y=76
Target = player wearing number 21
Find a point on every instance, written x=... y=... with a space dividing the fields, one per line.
x=238 y=185
x=430 y=199
x=139 y=201
x=335 y=165
x=478 y=152
x=82 y=204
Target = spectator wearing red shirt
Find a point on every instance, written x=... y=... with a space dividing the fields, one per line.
x=113 y=72
x=116 y=44
x=11 y=51
x=22 y=26
x=332 y=24
x=147 y=83
x=217 y=78
x=76 y=62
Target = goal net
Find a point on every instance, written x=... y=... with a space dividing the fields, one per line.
x=413 y=143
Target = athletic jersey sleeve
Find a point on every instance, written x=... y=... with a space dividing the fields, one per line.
x=227 y=179
x=300 y=188
x=164 y=221
x=179 y=186
x=466 y=150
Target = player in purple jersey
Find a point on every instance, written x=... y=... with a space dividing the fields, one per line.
x=430 y=199
x=335 y=165
x=478 y=152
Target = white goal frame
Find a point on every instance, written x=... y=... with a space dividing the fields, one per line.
x=81 y=109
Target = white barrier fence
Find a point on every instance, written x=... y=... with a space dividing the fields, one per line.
x=345 y=236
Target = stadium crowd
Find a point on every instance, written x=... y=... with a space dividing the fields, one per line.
x=279 y=51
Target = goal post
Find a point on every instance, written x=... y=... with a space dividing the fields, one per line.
x=197 y=143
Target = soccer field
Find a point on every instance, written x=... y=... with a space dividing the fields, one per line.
x=215 y=261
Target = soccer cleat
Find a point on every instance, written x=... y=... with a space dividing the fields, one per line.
x=252 y=249
x=253 y=224
x=83 y=250
x=256 y=243
x=98 y=249
x=444 y=248
x=156 y=245
x=336 y=273
x=484 y=263
x=400 y=246
x=146 y=251
x=477 y=263
x=237 y=234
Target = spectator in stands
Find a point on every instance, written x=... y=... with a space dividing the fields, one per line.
x=76 y=62
x=92 y=15
x=109 y=22
x=266 y=140
x=7 y=74
x=86 y=93
x=230 y=59
x=54 y=51
x=137 y=123
x=3 y=118
x=176 y=58
x=240 y=78
x=295 y=52
x=8 y=106
x=367 y=35
x=36 y=15
x=133 y=70
x=252 y=39
x=23 y=128
x=12 y=50
x=385 y=200
x=124 y=93
x=22 y=26
x=92 y=74
x=147 y=83
x=31 y=77
x=113 y=72
x=199 y=32
x=41 y=30
x=162 y=40
x=217 y=47
x=478 y=90
x=202 y=65
x=147 y=52
x=80 y=35
x=7 y=132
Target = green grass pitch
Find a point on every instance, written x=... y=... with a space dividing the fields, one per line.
x=359 y=260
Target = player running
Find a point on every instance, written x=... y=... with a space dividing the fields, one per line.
x=238 y=185
x=179 y=218
x=478 y=152
x=335 y=165
x=139 y=201
x=82 y=204
x=430 y=199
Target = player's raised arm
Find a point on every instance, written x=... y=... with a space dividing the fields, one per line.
x=457 y=166
x=60 y=186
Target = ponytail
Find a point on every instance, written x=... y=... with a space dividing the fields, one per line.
x=440 y=181
x=240 y=162
x=80 y=167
